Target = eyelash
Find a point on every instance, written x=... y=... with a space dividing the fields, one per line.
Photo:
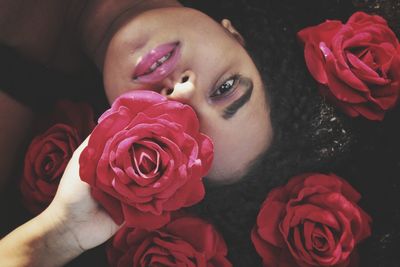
x=235 y=78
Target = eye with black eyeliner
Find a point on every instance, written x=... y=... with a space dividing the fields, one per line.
x=226 y=87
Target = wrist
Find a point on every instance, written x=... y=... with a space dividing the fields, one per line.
x=58 y=237
x=44 y=241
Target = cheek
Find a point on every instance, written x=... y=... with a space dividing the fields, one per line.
x=113 y=89
x=116 y=74
x=111 y=81
x=115 y=83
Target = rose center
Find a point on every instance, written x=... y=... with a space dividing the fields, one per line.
x=50 y=165
x=366 y=56
x=146 y=161
x=320 y=243
x=146 y=164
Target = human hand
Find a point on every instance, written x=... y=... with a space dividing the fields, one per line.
x=81 y=222
x=72 y=224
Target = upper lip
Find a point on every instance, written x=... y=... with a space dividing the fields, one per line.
x=157 y=64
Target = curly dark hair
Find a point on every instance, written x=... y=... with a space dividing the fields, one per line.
x=309 y=134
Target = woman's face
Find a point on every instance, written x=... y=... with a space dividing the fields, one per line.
x=187 y=56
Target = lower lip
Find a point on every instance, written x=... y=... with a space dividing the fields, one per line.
x=161 y=72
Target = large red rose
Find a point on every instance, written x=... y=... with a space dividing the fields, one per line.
x=185 y=241
x=357 y=64
x=312 y=221
x=48 y=154
x=146 y=158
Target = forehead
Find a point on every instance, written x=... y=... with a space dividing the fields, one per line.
x=239 y=141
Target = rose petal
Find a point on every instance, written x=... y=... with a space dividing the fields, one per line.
x=148 y=221
x=268 y=221
x=110 y=204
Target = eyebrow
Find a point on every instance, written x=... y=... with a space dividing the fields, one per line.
x=231 y=110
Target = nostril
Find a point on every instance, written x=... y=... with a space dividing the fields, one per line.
x=169 y=91
x=185 y=79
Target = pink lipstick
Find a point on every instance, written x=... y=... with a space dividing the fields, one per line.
x=156 y=65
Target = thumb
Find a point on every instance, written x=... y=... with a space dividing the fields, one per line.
x=71 y=185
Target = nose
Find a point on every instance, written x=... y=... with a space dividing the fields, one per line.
x=183 y=89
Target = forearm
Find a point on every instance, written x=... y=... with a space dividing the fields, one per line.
x=42 y=241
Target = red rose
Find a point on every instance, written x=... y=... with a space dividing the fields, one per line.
x=48 y=154
x=357 y=63
x=145 y=159
x=183 y=242
x=312 y=221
